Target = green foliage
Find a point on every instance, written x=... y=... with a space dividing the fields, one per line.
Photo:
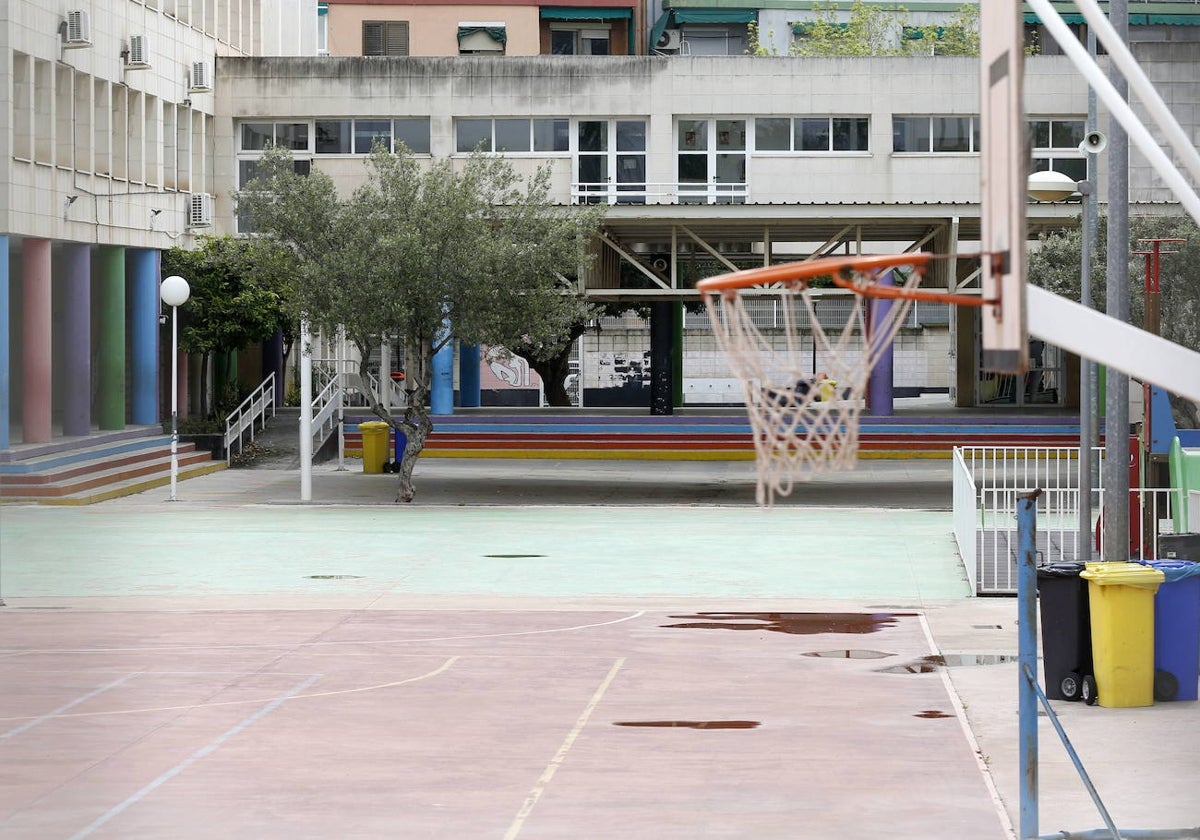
x=755 y=45
x=878 y=31
x=1055 y=265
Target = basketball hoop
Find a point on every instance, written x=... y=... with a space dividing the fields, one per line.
x=805 y=416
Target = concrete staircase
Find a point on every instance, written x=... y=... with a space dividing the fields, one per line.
x=86 y=470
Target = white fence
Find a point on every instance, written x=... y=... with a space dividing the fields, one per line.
x=987 y=481
x=253 y=410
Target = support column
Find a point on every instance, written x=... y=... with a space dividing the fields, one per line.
x=881 y=377
x=76 y=342
x=141 y=271
x=272 y=362
x=662 y=341
x=36 y=345
x=441 y=390
x=468 y=375
x=5 y=332
x=679 y=315
x=108 y=269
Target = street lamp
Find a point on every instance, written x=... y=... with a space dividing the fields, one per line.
x=174 y=292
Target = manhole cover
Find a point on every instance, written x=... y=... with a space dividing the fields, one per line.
x=333 y=577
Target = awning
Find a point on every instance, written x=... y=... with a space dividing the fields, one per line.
x=1030 y=17
x=585 y=13
x=496 y=33
x=659 y=27
x=714 y=15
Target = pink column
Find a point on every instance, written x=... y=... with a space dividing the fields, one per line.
x=37 y=341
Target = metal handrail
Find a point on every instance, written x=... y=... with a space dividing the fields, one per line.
x=252 y=410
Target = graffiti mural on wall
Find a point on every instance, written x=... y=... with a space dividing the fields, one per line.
x=619 y=370
x=507 y=379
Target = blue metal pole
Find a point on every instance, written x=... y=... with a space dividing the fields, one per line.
x=1027 y=658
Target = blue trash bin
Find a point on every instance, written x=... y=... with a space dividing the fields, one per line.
x=1177 y=630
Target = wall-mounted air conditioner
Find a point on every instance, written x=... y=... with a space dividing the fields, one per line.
x=201 y=77
x=200 y=210
x=670 y=39
x=139 y=53
x=78 y=31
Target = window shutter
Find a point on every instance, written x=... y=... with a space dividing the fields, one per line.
x=372 y=38
x=397 y=38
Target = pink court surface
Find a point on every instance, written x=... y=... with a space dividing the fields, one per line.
x=236 y=665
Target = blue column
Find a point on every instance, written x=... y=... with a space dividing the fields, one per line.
x=468 y=375
x=76 y=343
x=141 y=275
x=880 y=379
x=441 y=389
x=5 y=332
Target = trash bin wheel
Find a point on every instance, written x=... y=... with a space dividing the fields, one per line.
x=1069 y=686
x=1166 y=686
x=1087 y=690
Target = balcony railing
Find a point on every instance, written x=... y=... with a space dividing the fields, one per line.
x=711 y=192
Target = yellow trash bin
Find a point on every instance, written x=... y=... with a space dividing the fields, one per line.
x=374 y=445
x=1121 y=599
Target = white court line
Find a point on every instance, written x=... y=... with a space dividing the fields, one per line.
x=58 y=712
x=191 y=759
x=290 y=645
x=189 y=706
x=552 y=767
x=960 y=713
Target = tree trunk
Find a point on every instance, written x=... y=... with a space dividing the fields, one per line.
x=418 y=374
x=554 y=373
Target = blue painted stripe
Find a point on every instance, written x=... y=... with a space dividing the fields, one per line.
x=75 y=457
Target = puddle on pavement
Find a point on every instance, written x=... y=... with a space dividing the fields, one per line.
x=932 y=714
x=796 y=624
x=513 y=556
x=333 y=577
x=929 y=664
x=848 y=654
x=692 y=724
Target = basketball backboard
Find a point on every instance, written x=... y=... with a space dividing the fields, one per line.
x=1003 y=170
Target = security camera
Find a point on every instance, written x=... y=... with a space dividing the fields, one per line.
x=1094 y=142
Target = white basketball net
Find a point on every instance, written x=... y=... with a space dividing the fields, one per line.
x=804 y=414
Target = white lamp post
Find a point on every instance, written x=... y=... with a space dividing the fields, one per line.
x=174 y=292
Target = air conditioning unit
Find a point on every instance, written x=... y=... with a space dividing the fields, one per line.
x=200 y=210
x=201 y=78
x=139 y=53
x=661 y=264
x=78 y=31
x=670 y=39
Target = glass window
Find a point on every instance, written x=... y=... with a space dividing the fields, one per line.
x=366 y=132
x=593 y=136
x=773 y=134
x=1066 y=134
x=551 y=135
x=693 y=135
x=333 y=137
x=693 y=169
x=247 y=172
x=910 y=134
x=413 y=133
x=292 y=136
x=562 y=42
x=257 y=136
x=631 y=136
x=850 y=134
x=593 y=169
x=474 y=134
x=512 y=135
x=731 y=135
x=1039 y=133
x=952 y=134
x=812 y=134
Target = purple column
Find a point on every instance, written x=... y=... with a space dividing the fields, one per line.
x=36 y=344
x=141 y=278
x=76 y=341
x=879 y=383
x=5 y=332
x=272 y=362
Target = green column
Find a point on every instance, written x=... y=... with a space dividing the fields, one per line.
x=108 y=274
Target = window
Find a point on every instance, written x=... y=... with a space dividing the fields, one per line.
x=369 y=132
x=385 y=37
x=711 y=161
x=413 y=132
x=811 y=134
x=485 y=38
x=513 y=135
x=610 y=165
x=344 y=137
x=258 y=136
x=576 y=40
x=927 y=135
x=1055 y=144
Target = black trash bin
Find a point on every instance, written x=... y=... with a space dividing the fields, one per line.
x=1066 y=630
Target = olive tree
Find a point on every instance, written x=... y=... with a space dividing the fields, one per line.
x=429 y=252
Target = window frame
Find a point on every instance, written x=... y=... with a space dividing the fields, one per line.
x=861 y=128
x=385 y=37
x=972 y=134
x=559 y=129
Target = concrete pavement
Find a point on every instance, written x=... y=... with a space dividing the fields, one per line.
x=534 y=650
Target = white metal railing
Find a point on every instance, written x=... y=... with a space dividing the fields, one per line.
x=987 y=481
x=641 y=192
x=395 y=391
x=253 y=410
x=326 y=407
